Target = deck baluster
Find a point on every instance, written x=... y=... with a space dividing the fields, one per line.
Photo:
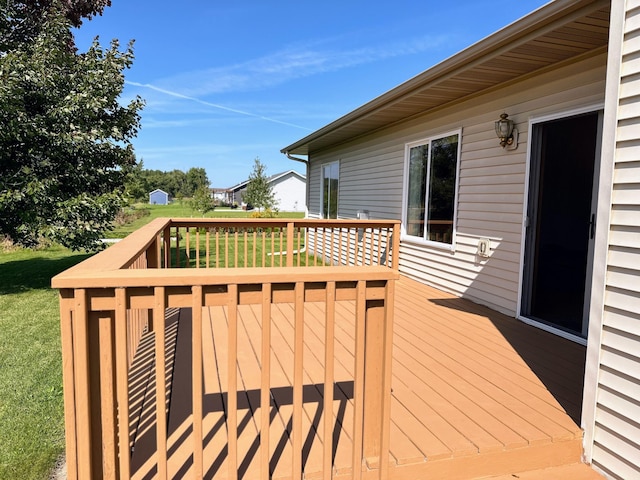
x=177 y=265
x=265 y=394
x=187 y=246
x=232 y=379
x=197 y=378
x=298 y=352
x=198 y=247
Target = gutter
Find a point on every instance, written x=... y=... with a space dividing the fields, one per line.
x=306 y=173
x=297 y=159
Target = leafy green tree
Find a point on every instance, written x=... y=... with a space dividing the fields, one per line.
x=196 y=179
x=135 y=185
x=65 y=140
x=202 y=201
x=259 y=192
x=21 y=21
x=176 y=182
x=153 y=179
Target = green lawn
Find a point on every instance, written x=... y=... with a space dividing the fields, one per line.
x=31 y=407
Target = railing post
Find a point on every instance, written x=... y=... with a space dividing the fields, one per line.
x=373 y=351
x=82 y=393
x=68 y=360
x=395 y=259
x=377 y=380
x=153 y=254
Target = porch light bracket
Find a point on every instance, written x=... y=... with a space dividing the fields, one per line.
x=506 y=132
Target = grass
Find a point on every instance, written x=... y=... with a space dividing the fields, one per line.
x=31 y=406
x=240 y=249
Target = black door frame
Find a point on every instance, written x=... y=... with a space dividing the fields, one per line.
x=531 y=189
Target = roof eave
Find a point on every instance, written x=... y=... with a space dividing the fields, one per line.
x=519 y=29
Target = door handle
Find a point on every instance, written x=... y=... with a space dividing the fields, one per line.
x=592 y=226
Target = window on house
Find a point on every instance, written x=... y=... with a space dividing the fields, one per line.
x=432 y=169
x=330 y=184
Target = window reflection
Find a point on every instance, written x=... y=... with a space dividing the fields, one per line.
x=330 y=187
x=432 y=171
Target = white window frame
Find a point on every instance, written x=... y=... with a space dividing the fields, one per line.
x=322 y=166
x=407 y=149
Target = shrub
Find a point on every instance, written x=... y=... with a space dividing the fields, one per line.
x=268 y=213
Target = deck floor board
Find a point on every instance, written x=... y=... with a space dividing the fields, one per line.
x=470 y=387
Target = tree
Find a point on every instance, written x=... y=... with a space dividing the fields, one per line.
x=259 y=192
x=196 y=179
x=176 y=182
x=202 y=201
x=135 y=184
x=65 y=140
x=21 y=21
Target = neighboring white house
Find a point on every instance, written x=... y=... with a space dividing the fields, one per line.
x=545 y=227
x=221 y=194
x=159 y=197
x=289 y=190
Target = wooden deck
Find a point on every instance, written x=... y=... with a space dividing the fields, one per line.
x=475 y=393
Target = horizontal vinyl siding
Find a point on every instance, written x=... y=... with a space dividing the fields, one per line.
x=492 y=187
x=491 y=181
x=313 y=188
x=290 y=193
x=370 y=179
x=617 y=420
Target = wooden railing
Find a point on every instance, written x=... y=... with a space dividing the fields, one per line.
x=115 y=299
x=223 y=243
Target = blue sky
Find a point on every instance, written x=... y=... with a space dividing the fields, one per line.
x=228 y=81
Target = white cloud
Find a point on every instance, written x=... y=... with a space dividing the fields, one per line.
x=288 y=64
x=183 y=93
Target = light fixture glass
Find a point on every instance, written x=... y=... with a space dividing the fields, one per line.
x=504 y=130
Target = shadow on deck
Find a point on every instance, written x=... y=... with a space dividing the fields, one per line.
x=541 y=351
x=475 y=393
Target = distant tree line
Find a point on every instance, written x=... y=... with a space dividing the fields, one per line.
x=176 y=182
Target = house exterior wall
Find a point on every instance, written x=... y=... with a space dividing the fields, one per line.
x=612 y=383
x=290 y=193
x=491 y=180
x=238 y=195
x=158 y=197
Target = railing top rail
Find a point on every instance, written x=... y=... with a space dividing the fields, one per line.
x=280 y=222
x=183 y=277
x=120 y=254
x=113 y=262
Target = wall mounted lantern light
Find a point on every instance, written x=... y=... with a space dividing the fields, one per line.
x=507 y=133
